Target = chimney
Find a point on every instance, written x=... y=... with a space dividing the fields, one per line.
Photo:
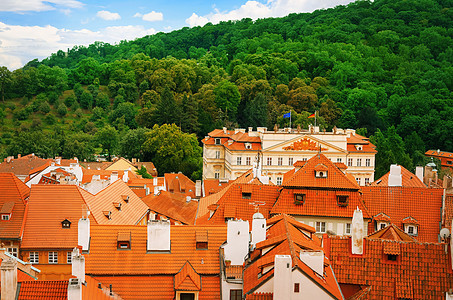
x=357 y=232
x=224 y=130
x=419 y=172
x=155 y=181
x=258 y=228
x=313 y=259
x=126 y=176
x=78 y=264
x=236 y=130
x=113 y=177
x=238 y=239
x=8 y=270
x=19 y=155
x=198 y=189
x=158 y=236
x=74 y=289
x=84 y=234
x=282 y=277
x=134 y=160
x=58 y=160
x=395 y=178
x=250 y=129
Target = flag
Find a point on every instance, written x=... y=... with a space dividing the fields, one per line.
x=288 y=115
x=311 y=116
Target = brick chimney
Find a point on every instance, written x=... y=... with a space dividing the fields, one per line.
x=258 y=228
x=158 y=236
x=357 y=232
x=84 y=234
x=8 y=270
x=238 y=239
x=282 y=277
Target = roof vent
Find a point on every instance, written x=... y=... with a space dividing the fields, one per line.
x=125 y=198
x=107 y=214
x=117 y=205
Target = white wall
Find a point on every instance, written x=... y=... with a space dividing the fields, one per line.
x=238 y=239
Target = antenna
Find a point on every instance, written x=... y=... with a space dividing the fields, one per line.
x=257 y=205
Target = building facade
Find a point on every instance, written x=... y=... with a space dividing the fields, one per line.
x=230 y=153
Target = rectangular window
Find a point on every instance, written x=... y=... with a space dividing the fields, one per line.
x=296 y=288
x=347 y=229
x=247 y=160
x=279 y=180
x=53 y=257
x=280 y=161
x=239 y=161
x=338 y=159
x=5 y=217
x=367 y=181
x=410 y=230
x=34 y=257
x=359 y=180
x=69 y=257
x=235 y=294
x=304 y=159
x=321 y=227
x=367 y=162
x=217 y=141
x=342 y=200
x=246 y=195
x=269 y=161
x=349 y=162
x=299 y=199
x=290 y=161
x=359 y=162
x=12 y=251
x=216 y=175
x=217 y=154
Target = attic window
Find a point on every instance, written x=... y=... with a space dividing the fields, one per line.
x=248 y=146
x=6 y=210
x=392 y=257
x=358 y=147
x=6 y=217
x=342 y=200
x=125 y=198
x=410 y=229
x=107 y=214
x=124 y=240
x=117 y=205
x=65 y=223
x=217 y=141
x=201 y=237
x=321 y=174
x=246 y=195
x=299 y=199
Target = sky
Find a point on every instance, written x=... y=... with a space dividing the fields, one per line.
x=31 y=29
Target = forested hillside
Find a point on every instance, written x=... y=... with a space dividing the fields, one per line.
x=384 y=67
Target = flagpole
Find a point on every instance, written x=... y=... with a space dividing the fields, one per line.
x=315 y=118
x=290 y=119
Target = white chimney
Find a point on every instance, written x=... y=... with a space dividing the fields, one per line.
x=74 y=289
x=9 y=279
x=84 y=233
x=198 y=189
x=155 y=181
x=395 y=178
x=96 y=177
x=250 y=129
x=357 y=232
x=282 y=277
x=419 y=172
x=158 y=235
x=113 y=177
x=224 y=130
x=258 y=228
x=78 y=264
x=313 y=259
x=126 y=176
x=238 y=239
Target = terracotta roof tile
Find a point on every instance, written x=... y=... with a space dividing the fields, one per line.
x=212 y=186
x=173 y=206
x=187 y=279
x=179 y=183
x=260 y=296
x=408 y=179
x=22 y=166
x=392 y=233
x=398 y=203
x=43 y=290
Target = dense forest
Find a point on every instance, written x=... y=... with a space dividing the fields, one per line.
x=382 y=67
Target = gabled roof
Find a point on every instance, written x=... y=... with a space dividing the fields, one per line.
x=23 y=165
x=290 y=238
x=187 y=279
x=398 y=203
x=305 y=176
x=392 y=233
x=104 y=174
x=105 y=259
x=439 y=154
x=48 y=206
x=173 y=206
x=13 y=197
x=179 y=183
x=408 y=179
x=411 y=276
x=212 y=186
x=131 y=212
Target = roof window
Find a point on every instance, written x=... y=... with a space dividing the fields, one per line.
x=342 y=200
x=217 y=141
x=201 y=237
x=124 y=240
x=107 y=214
x=246 y=195
x=65 y=223
x=117 y=205
x=299 y=199
x=125 y=198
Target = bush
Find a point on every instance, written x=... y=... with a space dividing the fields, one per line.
x=62 y=110
x=86 y=100
x=44 y=107
x=103 y=101
x=69 y=101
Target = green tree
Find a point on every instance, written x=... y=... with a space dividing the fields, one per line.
x=144 y=173
x=256 y=111
x=189 y=117
x=172 y=150
x=5 y=79
x=167 y=111
x=227 y=98
x=131 y=143
x=107 y=138
x=86 y=100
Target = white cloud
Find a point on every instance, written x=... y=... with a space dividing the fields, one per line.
x=20 y=44
x=37 y=5
x=108 y=16
x=150 y=17
x=255 y=10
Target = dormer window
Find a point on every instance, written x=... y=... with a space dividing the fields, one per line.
x=246 y=195
x=392 y=257
x=410 y=229
x=299 y=199
x=321 y=174
x=201 y=237
x=381 y=225
x=248 y=146
x=6 y=210
x=342 y=200
x=124 y=240
x=410 y=226
x=217 y=141
x=65 y=223
x=6 y=217
x=321 y=171
x=359 y=147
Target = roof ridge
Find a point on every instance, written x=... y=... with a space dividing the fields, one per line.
x=289 y=239
x=14 y=177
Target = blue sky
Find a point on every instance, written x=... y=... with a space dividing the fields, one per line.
x=32 y=29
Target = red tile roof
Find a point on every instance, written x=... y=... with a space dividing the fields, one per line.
x=179 y=183
x=187 y=279
x=104 y=174
x=104 y=258
x=289 y=238
x=173 y=206
x=23 y=165
x=131 y=212
x=439 y=154
x=13 y=197
x=43 y=290
x=447 y=215
x=421 y=270
x=212 y=186
x=398 y=203
x=408 y=179
x=305 y=176
x=392 y=233
x=48 y=206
